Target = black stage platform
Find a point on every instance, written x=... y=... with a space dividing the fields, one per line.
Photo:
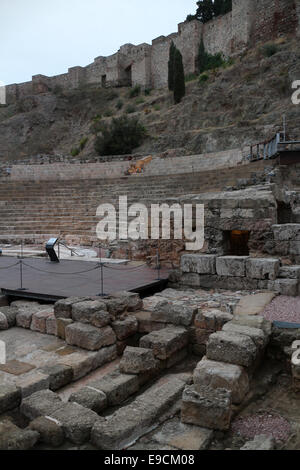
x=48 y=281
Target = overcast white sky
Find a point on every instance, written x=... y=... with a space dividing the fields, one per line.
x=48 y=36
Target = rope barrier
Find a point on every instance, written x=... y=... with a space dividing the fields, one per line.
x=11 y=266
x=65 y=274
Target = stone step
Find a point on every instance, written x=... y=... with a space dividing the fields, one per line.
x=132 y=421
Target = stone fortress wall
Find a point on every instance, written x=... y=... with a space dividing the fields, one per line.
x=249 y=22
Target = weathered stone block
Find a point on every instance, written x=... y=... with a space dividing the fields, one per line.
x=137 y=361
x=289 y=272
x=89 y=337
x=77 y=421
x=38 y=322
x=286 y=232
x=63 y=307
x=199 y=335
x=165 y=342
x=125 y=328
x=262 y=268
x=146 y=324
x=258 y=336
x=117 y=386
x=87 y=310
x=132 y=300
x=254 y=321
x=232 y=266
x=91 y=398
x=3 y=322
x=289 y=287
x=234 y=348
x=206 y=407
x=223 y=375
x=201 y=264
x=212 y=319
x=176 y=312
x=134 y=420
x=10 y=397
x=32 y=382
x=41 y=403
x=59 y=375
x=50 y=431
x=61 y=325
x=51 y=325
x=190 y=280
x=104 y=355
x=14 y=438
x=10 y=313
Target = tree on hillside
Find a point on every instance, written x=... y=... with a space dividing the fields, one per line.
x=179 y=80
x=202 y=57
x=171 y=66
x=209 y=9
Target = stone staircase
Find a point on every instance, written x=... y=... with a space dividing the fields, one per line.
x=36 y=210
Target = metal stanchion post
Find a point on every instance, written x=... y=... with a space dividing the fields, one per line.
x=21 y=268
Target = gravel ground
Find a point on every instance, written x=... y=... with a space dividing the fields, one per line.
x=262 y=423
x=283 y=308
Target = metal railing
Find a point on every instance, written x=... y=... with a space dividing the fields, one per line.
x=269 y=148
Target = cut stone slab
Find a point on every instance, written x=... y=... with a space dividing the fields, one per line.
x=137 y=361
x=84 y=311
x=63 y=307
x=132 y=300
x=117 y=386
x=125 y=328
x=38 y=322
x=290 y=272
x=254 y=321
x=15 y=367
x=146 y=324
x=32 y=382
x=60 y=375
x=50 y=431
x=76 y=421
x=232 y=266
x=260 y=442
x=25 y=310
x=132 y=421
x=212 y=319
x=165 y=342
x=253 y=304
x=91 y=398
x=183 y=436
x=175 y=312
x=223 y=375
x=206 y=407
x=262 y=268
x=89 y=337
x=286 y=232
x=234 y=348
x=41 y=403
x=200 y=264
x=10 y=397
x=257 y=335
x=14 y=438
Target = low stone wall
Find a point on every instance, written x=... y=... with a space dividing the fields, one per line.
x=236 y=272
x=66 y=170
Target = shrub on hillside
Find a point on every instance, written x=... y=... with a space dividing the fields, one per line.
x=120 y=137
x=269 y=49
x=135 y=91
